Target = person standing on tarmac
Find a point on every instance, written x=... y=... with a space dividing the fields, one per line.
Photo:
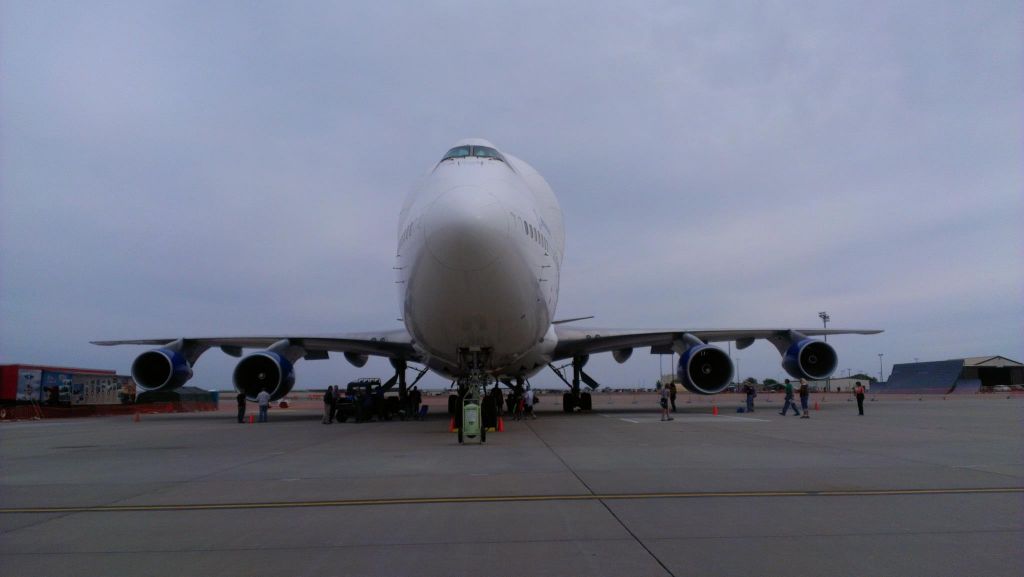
x=498 y=399
x=416 y=398
x=241 y=407
x=789 y=400
x=805 y=394
x=328 y=405
x=664 y=403
x=335 y=401
x=672 y=395
x=858 y=390
x=263 y=400
x=751 y=393
x=528 y=403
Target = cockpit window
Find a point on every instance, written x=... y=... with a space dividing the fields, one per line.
x=486 y=152
x=458 y=152
x=477 y=151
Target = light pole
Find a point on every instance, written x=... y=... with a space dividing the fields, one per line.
x=823 y=315
x=880 y=355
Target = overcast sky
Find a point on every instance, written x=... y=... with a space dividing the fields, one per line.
x=218 y=168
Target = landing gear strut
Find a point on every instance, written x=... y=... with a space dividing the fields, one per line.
x=574 y=399
x=400 y=366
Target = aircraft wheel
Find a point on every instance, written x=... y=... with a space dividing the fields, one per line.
x=586 y=403
x=460 y=435
x=567 y=402
x=453 y=404
x=483 y=435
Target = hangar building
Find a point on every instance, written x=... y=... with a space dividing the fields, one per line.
x=970 y=375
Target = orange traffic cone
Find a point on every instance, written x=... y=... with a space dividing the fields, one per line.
x=714 y=409
x=252 y=419
x=451 y=425
x=816 y=407
x=501 y=425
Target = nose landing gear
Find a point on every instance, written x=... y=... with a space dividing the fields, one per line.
x=468 y=405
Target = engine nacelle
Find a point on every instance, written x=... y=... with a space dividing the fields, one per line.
x=705 y=370
x=356 y=359
x=161 y=370
x=810 y=359
x=264 y=371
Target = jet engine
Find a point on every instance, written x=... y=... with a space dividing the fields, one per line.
x=161 y=370
x=356 y=359
x=704 y=369
x=810 y=359
x=265 y=370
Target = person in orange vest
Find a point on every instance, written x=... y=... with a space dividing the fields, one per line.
x=858 y=391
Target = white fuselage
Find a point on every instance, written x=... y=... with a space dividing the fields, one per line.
x=479 y=252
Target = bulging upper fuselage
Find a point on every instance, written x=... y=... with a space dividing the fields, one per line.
x=480 y=244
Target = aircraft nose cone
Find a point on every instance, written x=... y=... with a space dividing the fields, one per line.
x=466 y=228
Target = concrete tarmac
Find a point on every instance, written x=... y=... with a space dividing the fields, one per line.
x=931 y=487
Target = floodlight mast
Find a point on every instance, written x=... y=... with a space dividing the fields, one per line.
x=823 y=315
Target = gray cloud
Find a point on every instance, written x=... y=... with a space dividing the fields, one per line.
x=182 y=168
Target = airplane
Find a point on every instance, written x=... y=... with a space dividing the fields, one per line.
x=479 y=255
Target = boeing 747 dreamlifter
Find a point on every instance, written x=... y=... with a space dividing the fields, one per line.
x=480 y=247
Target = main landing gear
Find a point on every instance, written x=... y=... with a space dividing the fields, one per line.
x=400 y=366
x=575 y=399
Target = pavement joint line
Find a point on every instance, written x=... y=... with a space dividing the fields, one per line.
x=508 y=499
x=604 y=503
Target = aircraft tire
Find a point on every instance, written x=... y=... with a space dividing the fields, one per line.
x=453 y=404
x=483 y=435
x=566 y=402
x=586 y=402
x=460 y=435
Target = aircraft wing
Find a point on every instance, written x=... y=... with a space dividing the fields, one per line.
x=396 y=344
x=573 y=342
